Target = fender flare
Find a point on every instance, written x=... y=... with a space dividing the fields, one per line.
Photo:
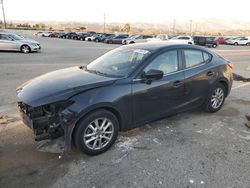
x=69 y=129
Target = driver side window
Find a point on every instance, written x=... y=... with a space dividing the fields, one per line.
x=166 y=62
x=4 y=37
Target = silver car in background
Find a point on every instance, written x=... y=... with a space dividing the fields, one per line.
x=14 y=42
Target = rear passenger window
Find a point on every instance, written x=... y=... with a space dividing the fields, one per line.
x=195 y=57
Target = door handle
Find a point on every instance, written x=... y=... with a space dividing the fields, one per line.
x=210 y=73
x=177 y=84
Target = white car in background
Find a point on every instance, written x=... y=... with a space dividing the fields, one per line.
x=136 y=39
x=14 y=42
x=160 y=37
x=93 y=37
x=239 y=41
x=46 y=33
x=182 y=40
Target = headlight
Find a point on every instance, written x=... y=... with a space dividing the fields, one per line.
x=56 y=107
x=34 y=44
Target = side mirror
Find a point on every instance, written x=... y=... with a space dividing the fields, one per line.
x=152 y=75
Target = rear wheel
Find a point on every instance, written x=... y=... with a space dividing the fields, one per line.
x=214 y=45
x=216 y=98
x=25 y=49
x=236 y=44
x=97 y=132
x=248 y=44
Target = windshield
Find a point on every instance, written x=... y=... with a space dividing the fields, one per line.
x=118 y=63
x=16 y=37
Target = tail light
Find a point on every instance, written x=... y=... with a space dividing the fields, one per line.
x=231 y=65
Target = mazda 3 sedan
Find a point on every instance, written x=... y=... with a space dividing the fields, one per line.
x=123 y=89
x=14 y=42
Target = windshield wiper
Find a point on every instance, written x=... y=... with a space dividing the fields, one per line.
x=97 y=72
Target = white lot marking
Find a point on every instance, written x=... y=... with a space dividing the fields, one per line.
x=156 y=141
x=200 y=131
x=191 y=181
x=247 y=132
x=215 y=127
x=126 y=143
x=244 y=137
x=202 y=182
x=232 y=50
x=243 y=85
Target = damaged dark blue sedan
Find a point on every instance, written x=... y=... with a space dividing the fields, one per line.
x=123 y=89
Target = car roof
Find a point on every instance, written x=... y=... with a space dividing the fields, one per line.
x=5 y=32
x=155 y=46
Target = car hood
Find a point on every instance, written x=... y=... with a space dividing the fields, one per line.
x=59 y=85
x=29 y=41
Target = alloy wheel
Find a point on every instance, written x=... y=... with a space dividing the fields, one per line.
x=217 y=98
x=98 y=133
x=25 y=49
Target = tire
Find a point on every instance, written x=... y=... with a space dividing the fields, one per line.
x=218 y=93
x=248 y=44
x=236 y=44
x=214 y=45
x=25 y=49
x=86 y=138
x=89 y=40
x=97 y=40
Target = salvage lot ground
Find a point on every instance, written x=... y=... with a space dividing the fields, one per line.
x=192 y=149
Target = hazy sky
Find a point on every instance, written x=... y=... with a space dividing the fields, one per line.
x=124 y=11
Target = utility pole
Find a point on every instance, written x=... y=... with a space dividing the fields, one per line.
x=3 y=15
x=191 y=24
x=104 y=23
x=174 y=27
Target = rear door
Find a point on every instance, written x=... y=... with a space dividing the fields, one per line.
x=199 y=75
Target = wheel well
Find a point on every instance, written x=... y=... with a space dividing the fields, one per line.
x=25 y=45
x=224 y=83
x=112 y=110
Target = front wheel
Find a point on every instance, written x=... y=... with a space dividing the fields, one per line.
x=215 y=99
x=236 y=44
x=25 y=49
x=97 y=132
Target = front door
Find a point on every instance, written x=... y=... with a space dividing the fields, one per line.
x=7 y=43
x=160 y=97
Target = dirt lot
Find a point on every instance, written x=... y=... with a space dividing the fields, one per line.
x=192 y=149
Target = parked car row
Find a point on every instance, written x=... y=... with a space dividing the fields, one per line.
x=238 y=41
x=131 y=39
